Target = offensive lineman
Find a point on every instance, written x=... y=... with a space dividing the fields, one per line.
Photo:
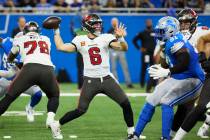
x=186 y=76
x=192 y=32
x=7 y=74
x=94 y=48
x=204 y=101
x=37 y=69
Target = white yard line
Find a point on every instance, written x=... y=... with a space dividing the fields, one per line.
x=77 y=94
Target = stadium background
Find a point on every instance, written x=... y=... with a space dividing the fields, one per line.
x=134 y=23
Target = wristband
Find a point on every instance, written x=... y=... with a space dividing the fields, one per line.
x=121 y=39
x=56 y=31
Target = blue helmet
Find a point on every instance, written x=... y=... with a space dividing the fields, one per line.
x=166 y=28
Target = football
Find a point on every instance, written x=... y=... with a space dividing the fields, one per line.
x=51 y=22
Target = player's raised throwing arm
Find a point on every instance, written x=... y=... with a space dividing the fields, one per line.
x=120 y=44
x=60 y=45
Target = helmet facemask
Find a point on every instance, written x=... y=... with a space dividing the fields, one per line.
x=31 y=27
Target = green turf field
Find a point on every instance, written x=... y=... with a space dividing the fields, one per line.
x=103 y=121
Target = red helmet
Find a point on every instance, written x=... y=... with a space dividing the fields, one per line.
x=31 y=26
x=188 y=15
x=92 y=23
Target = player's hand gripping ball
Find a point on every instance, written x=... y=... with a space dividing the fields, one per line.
x=51 y=22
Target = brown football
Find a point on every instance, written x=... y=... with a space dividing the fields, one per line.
x=51 y=22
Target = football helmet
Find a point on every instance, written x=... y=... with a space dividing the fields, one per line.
x=92 y=23
x=31 y=26
x=166 y=28
x=188 y=20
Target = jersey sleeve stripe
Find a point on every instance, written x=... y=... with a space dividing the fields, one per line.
x=114 y=40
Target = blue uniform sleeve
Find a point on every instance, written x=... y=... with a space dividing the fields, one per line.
x=7 y=45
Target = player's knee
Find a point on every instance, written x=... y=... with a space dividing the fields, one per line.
x=151 y=99
x=200 y=108
x=126 y=104
x=80 y=111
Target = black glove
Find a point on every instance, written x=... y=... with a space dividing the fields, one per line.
x=206 y=66
x=202 y=57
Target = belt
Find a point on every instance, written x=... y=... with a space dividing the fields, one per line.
x=101 y=78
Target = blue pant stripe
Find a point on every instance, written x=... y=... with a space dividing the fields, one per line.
x=187 y=94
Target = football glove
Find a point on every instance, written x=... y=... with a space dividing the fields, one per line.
x=206 y=66
x=202 y=57
x=156 y=71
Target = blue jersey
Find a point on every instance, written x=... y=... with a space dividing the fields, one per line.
x=194 y=69
x=6 y=45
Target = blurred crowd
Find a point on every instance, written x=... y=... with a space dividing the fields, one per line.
x=96 y=5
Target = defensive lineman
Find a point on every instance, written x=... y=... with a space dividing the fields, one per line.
x=37 y=69
x=94 y=48
x=186 y=76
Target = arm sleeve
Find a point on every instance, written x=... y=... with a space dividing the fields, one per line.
x=110 y=38
x=7 y=74
x=183 y=60
x=15 y=48
x=75 y=43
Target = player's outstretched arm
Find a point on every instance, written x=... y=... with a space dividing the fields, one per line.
x=202 y=41
x=65 y=47
x=120 y=44
x=7 y=74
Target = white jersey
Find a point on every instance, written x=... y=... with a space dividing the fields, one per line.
x=95 y=53
x=33 y=48
x=200 y=31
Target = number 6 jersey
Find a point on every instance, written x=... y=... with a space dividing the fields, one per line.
x=95 y=53
x=33 y=48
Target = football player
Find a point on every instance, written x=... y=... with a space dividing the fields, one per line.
x=185 y=76
x=188 y=23
x=37 y=69
x=7 y=74
x=94 y=48
x=201 y=38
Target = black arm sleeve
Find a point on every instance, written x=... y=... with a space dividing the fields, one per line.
x=135 y=41
x=183 y=60
x=11 y=57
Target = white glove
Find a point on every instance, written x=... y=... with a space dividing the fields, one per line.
x=156 y=71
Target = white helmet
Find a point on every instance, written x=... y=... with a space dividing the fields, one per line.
x=166 y=28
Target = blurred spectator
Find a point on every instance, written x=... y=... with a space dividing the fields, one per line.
x=124 y=4
x=173 y=3
x=9 y=3
x=21 y=23
x=44 y=7
x=207 y=7
x=43 y=4
x=119 y=56
x=147 y=49
x=76 y=3
x=27 y=3
x=61 y=6
x=110 y=4
x=137 y=3
x=94 y=6
x=195 y=4
x=146 y=4
x=69 y=2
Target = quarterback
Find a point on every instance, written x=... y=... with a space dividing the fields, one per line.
x=94 y=48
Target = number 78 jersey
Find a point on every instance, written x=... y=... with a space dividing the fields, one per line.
x=95 y=53
x=33 y=48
